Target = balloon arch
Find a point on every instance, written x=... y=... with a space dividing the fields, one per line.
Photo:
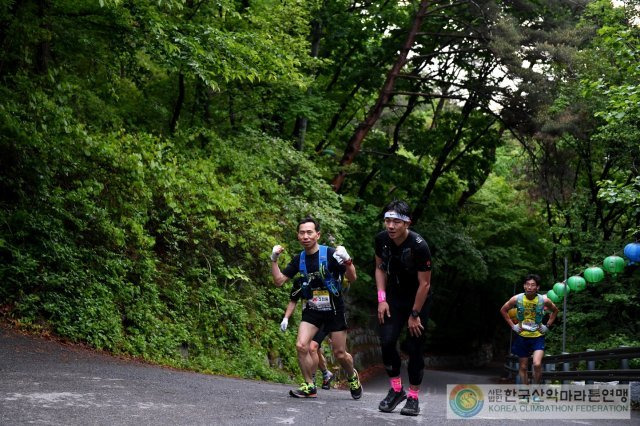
x=613 y=265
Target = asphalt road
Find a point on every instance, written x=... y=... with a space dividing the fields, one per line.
x=46 y=382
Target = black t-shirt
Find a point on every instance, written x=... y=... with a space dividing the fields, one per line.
x=316 y=282
x=402 y=263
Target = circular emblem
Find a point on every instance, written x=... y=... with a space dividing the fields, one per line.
x=466 y=400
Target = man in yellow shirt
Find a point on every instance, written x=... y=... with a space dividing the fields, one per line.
x=529 y=329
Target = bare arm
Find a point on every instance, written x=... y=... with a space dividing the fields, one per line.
x=278 y=277
x=381 y=276
x=381 y=284
x=350 y=272
x=342 y=257
x=554 y=311
x=504 y=311
x=424 y=282
x=290 y=308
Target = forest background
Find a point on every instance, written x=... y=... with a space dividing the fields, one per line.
x=152 y=153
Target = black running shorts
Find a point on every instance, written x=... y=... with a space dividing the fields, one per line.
x=320 y=335
x=327 y=321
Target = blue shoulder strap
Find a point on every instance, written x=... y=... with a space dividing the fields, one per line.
x=322 y=261
x=323 y=267
x=303 y=263
x=303 y=270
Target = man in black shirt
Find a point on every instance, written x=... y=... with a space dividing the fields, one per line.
x=403 y=279
x=322 y=267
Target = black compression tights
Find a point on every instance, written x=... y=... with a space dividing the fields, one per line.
x=389 y=334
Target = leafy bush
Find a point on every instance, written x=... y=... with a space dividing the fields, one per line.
x=151 y=246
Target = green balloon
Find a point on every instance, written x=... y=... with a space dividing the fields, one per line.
x=613 y=265
x=594 y=274
x=561 y=289
x=553 y=296
x=577 y=283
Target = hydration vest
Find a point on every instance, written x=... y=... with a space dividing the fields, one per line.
x=406 y=260
x=539 y=308
x=323 y=267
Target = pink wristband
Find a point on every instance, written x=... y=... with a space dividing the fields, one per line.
x=382 y=296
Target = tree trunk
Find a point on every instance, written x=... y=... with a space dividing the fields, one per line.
x=473 y=188
x=300 y=129
x=178 y=105
x=232 y=111
x=440 y=168
x=355 y=143
x=413 y=101
x=556 y=241
x=336 y=117
x=43 y=53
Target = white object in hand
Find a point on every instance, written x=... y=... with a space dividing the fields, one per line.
x=275 y=252
x=341 y=255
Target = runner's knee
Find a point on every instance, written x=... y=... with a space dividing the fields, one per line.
x=340 y=354
x=302 y=347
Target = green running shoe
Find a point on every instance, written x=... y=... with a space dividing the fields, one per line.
x=355 y=386
x=306 y=390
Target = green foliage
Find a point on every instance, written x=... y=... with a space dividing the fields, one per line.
x=136 y=242
x=480 y=253
x=589 y=154
x=144 y=245
x=480 y=262
x=146 y=168
x=593 y=313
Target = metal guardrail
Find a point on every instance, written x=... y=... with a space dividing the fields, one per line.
x=550 y=362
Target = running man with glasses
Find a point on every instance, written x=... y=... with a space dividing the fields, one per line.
x=322 y=268
x=529 y=329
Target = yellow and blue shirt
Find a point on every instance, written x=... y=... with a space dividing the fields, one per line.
x=528 y=324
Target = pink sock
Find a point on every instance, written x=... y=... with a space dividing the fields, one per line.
x=413 y=393
x=396 y=384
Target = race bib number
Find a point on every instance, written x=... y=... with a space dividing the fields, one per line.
x=320 y=301
x=529 y=325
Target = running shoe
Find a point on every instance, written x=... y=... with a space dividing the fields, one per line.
x=392 y=400
x=306 y=390
x=355 y=386
x=326 y=381
x=411 y=408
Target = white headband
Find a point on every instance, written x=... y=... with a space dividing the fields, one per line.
x=392 y=214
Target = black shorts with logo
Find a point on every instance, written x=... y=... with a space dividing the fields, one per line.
x=327 y=321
